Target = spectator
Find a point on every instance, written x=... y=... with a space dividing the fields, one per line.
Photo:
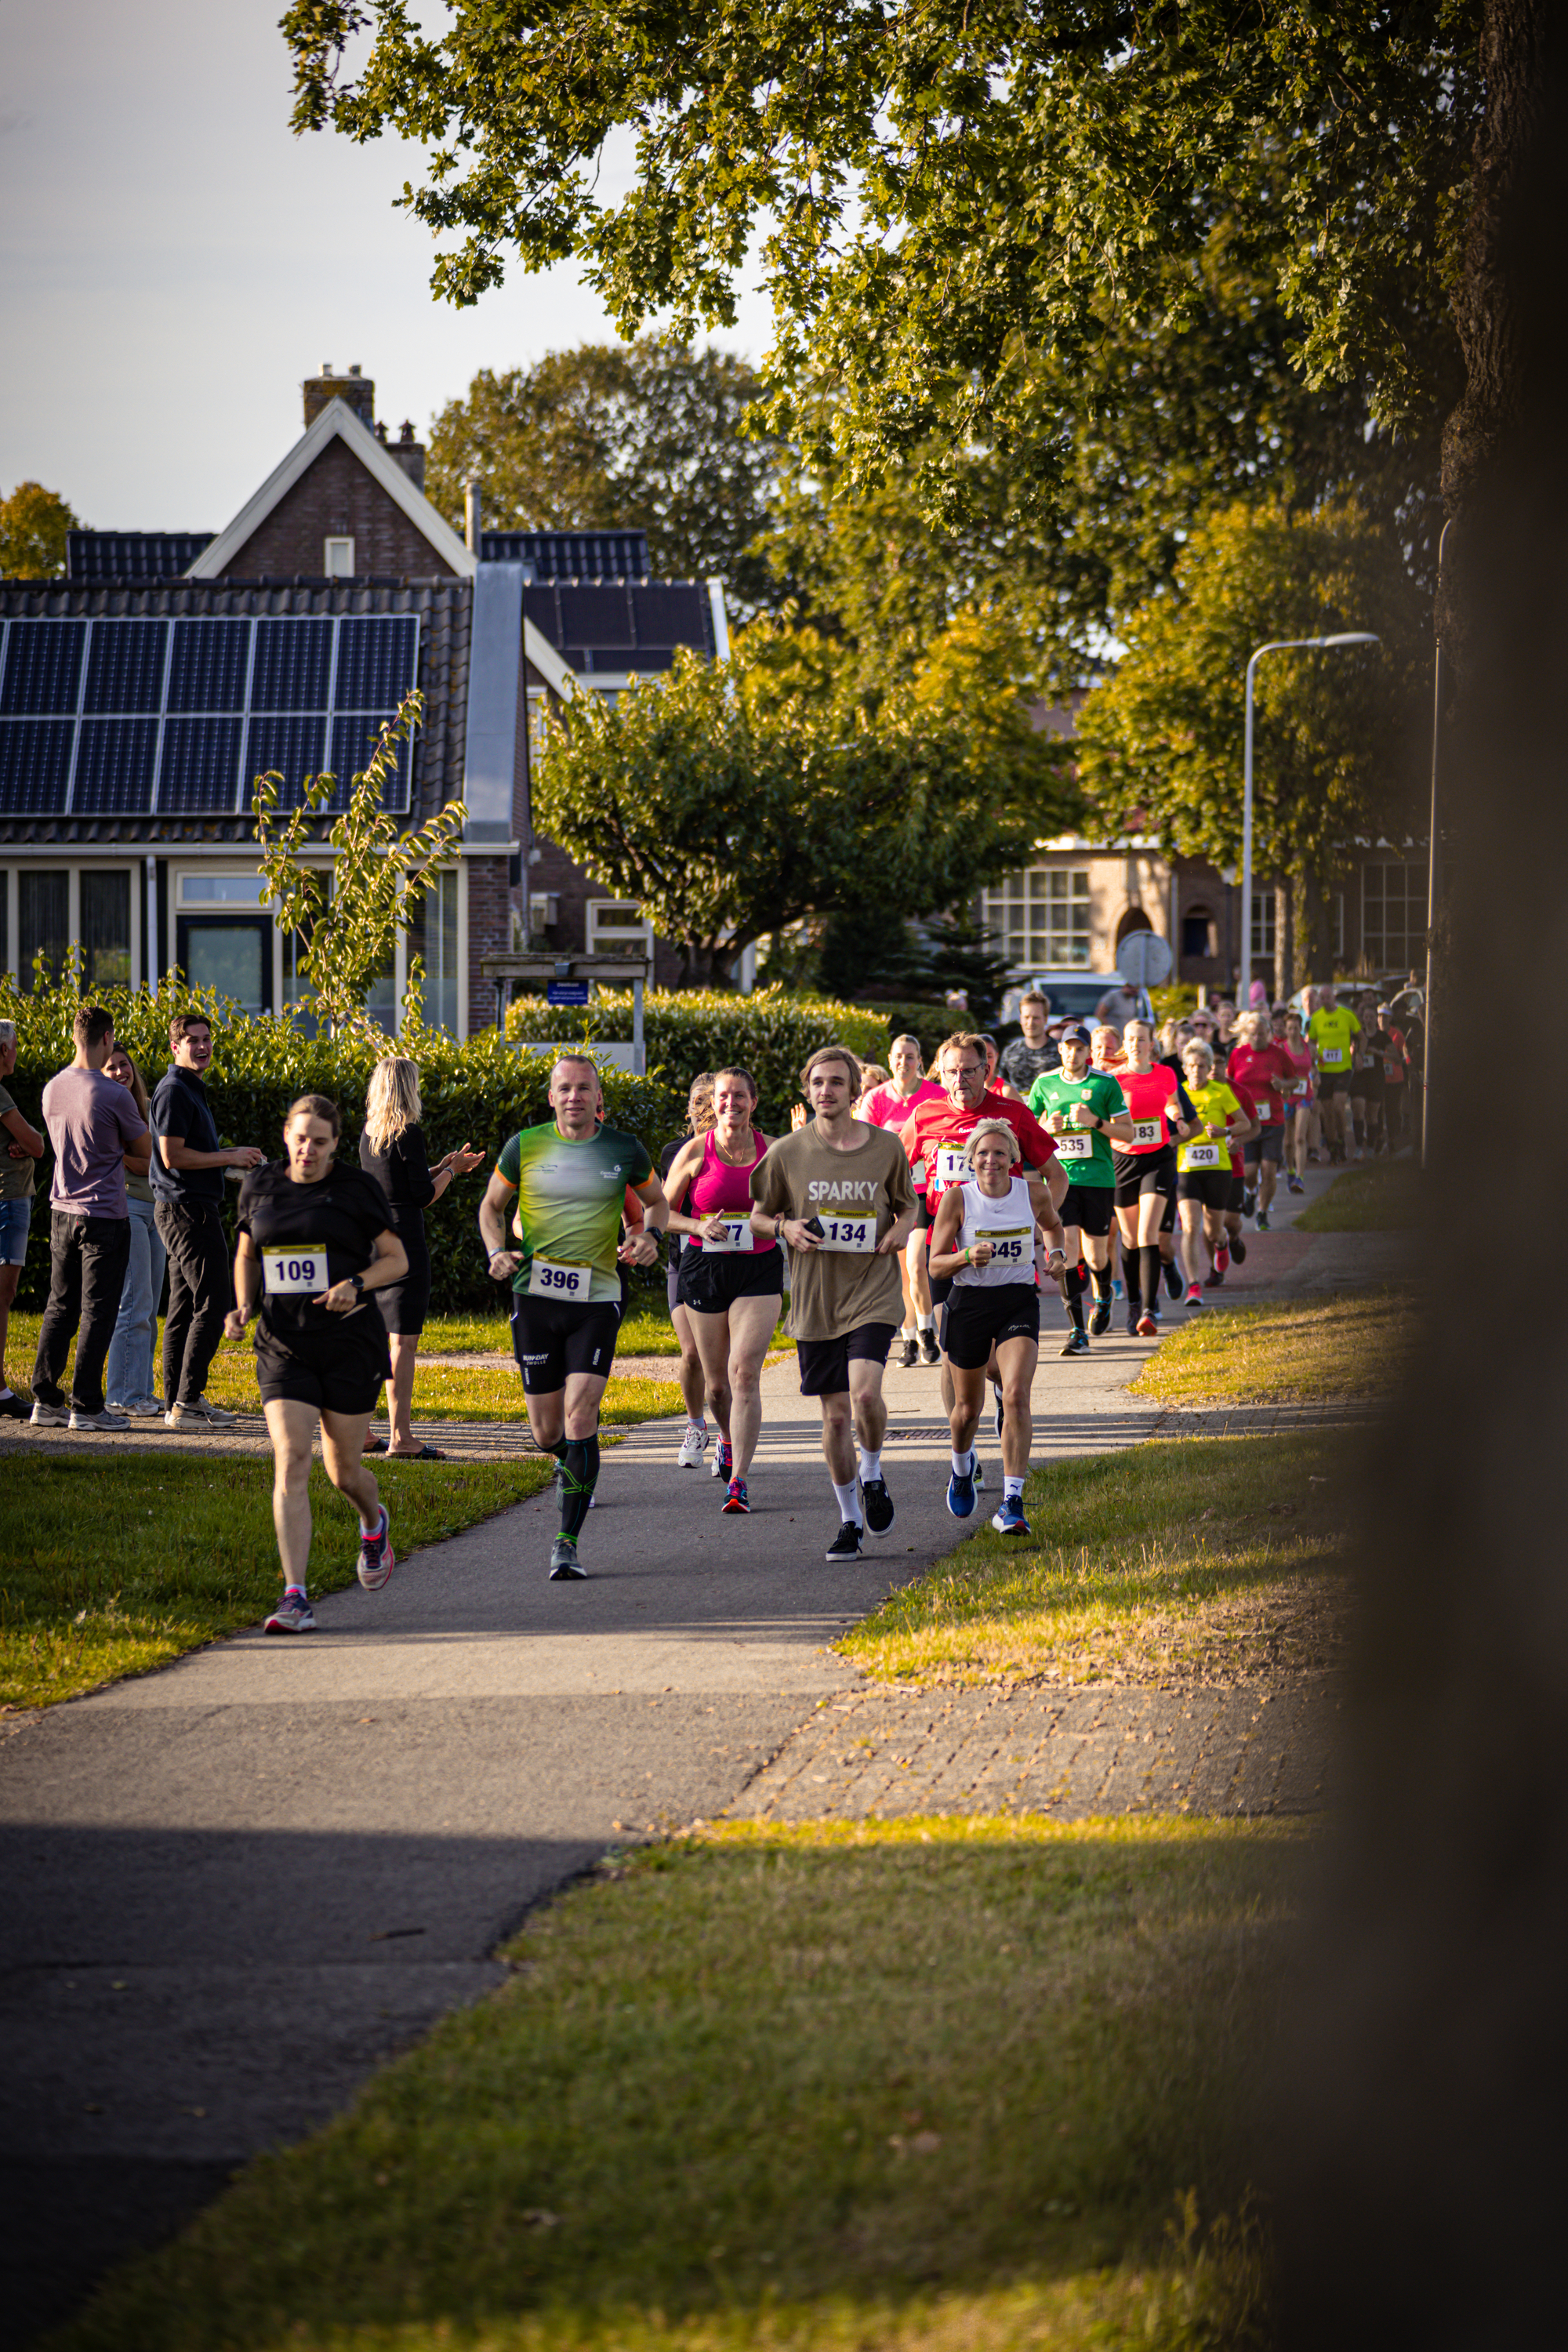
x=187 y=1177
x=129 y=1374
x=1119 y=1006
x=24 y=1144
x=91 y=1124
x=1030 y=1055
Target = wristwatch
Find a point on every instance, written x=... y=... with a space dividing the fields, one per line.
x=358 y=1281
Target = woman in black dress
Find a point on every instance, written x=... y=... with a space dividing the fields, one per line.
x=392 y=1149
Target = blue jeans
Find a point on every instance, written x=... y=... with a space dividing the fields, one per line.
x=128 y=1375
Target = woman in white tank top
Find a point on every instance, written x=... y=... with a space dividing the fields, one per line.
x=984 y=1238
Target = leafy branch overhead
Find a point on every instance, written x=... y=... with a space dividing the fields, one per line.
x=346 y=917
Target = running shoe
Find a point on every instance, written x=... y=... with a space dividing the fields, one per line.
x=961 y=1492
x=693 y=1446
x=1075 y=1344
x=845 y=1544
x=736 y=1497
x=878 y=1505
x=376 y=1557
x=1263 y=1221
x=293 y=1615
x=104 y=1419
x=1194 y=1294
x=723 y=1463
x=930 y=1352
x=565 y=1568
x=198 y=1416
x=908 y=1353
x=1248 y=1202
x=1009 y=1520
x=1172 y=1277
x=1099 y=1321
x=1147 y=1329
x=1222 y=1260
x=1294 y=1185
x=979 y=1470
x=1212 y=1281
x=147 y=1407
x=1133 y=1325
x=12 y=1408
x=49 y=1416
x=1238 y=1249
x=1000 y=1416
x=1119 y=1290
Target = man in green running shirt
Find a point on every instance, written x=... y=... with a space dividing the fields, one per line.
x=1081 y=1109
x=1331 y=1032
x=569 y=1179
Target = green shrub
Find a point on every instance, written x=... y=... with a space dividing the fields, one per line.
x=1174 y=1003
x=478 y=1093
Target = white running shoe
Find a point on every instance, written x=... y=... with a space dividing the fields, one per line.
x=106 y=1419
x=693 y=1446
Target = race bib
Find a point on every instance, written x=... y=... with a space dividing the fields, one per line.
x=1145 y=1132
x=294 y=1274
x=1073 y=1146
x=737 y=1236
x=857 y=1234
x=953 y=1167
x=1203 y=1155
x=918 y=1172
x=1013 y=1247
x=546 y=1279
x=1331 y=1056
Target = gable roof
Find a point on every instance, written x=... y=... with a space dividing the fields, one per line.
x=336 y=421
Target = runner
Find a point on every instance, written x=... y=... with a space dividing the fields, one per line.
x=1331 y=1032
x=1300 y=1114
x=839 y=1194
x=569 y=1177
x=892 y=1106
x=1261 y=1067
x=1205 y=1159
x=982 y=1243
x=1235 y=1245
x=1146 y=1171
x=729 y=1283
x=1079 y=1109
x=1366 y=1079
x=1395 y=1069
x=316 y=1241
x=1030 y=1056
x=693 y=1387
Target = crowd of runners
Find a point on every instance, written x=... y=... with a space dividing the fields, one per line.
x=933 y=1213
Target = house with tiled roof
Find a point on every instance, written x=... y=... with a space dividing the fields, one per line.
x=142 y=694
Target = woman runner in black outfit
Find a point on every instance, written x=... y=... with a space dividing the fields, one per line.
x=314 y=1239
x=392 y=1149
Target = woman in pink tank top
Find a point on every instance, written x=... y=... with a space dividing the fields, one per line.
x=731 y=1280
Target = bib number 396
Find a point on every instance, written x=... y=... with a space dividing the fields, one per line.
x=294 y=1274
x=858 y=1233
x=546 y=1279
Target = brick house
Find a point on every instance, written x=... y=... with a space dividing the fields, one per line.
x=142 y=694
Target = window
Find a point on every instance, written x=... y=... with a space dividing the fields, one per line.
x=221 y=890
x=340 y=559
x=106 y=930
x=1198 y=943
x=43 y=923
x=1263 y=923
x=1394 y=914
x=440 y=953
x=617 y=928
x=1040 y=917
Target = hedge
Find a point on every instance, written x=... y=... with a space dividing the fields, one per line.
x=478 y=1093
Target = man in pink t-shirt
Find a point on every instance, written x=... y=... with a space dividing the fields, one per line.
x=892 y=1106
x=91 y=1124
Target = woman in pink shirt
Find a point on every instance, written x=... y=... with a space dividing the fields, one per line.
x=892 y=1106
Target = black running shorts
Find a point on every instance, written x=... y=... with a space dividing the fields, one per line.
x=329 y=1375
x=553 y=1337
x=975 y=1320
x=1333 y=1082
x=1144 y=1172
x=1089 y=1207
x=1209 y=1185
x=1267 y=1144
x=712 y=1280
x=825 y=1363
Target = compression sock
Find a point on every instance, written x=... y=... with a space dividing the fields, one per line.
x=870 y=1465
x=580 y=1474
x=1103 y=1290
x=1075 y=1289
x=1149 y=1267
x=962 y=1463
x=849 y=1503
x=1012 y=1489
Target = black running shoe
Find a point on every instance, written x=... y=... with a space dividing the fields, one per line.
x=908 y=1354
x=565 y=1568
x=1075 y=1344
x=1173 y=1283
x=878 y=1505
x=1238 y=1249
x=1133 y=1325
x=930 y=1352
x=1099 y=1321
x=845 y=1544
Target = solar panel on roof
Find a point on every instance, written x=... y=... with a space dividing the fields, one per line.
x=167 y=707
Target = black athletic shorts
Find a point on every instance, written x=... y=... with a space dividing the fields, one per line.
x=672 y=1280
x=1267 y=1144
x=1209 y=1185
x=1168 y=1220
x=975 y=1320
x=1237 y=1195
x=825 y=1363
x=1333 y=1082
x=923 y=1221
x=553 y=1337
x=332 y=1376
x=1144 y=1172
x=712 y=1280
x=1089 y=1207
x=1366 y=1086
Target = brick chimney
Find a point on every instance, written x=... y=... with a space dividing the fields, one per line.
x=355 y=391
x=409 y=453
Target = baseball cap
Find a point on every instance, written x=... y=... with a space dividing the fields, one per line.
x=1075 y=1033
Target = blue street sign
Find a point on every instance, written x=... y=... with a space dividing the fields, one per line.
x=566 y=991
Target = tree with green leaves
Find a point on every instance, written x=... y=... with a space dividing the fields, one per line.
x=347 y=916
x=732 y=800
x=645 y=436
x=1340 y=744
x=33 y=526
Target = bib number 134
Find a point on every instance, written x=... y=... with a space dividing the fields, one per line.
x=858 y=1233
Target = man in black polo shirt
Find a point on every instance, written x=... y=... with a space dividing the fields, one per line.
x=187 y=1181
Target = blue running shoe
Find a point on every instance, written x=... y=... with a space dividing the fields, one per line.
x=1010 y=1521
x=961 y=1492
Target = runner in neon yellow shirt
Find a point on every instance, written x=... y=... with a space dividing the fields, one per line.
x=1332 y=1033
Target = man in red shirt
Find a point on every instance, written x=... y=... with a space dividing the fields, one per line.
x=1260 y=1067
x=939 y=1130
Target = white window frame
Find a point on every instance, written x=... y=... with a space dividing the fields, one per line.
x=338 y=558
x=1413 y=944
x=1264 y=931
x=1006 y=912
x=616 y=938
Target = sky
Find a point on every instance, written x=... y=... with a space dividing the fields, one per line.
x=173 y=263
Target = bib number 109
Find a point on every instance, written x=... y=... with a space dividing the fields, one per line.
x=546 y=1279
x=294 y=1274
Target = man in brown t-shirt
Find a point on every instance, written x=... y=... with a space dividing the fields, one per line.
x=839 y=1195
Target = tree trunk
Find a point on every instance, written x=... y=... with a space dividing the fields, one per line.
x=1312 y=959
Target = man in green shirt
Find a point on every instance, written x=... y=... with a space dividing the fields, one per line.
x=1082 y=1109
x=1332 y=1033
x=569 y=1179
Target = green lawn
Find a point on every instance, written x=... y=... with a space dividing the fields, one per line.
x=646 y=1331
x=1212 y=1560
x=116 y=1564
x=926 y=2086
x=1380 y=1196
x=1356 y=1344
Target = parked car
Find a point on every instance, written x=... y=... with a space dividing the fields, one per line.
x=1074 y=991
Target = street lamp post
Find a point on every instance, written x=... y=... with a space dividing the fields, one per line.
x=1275 y=646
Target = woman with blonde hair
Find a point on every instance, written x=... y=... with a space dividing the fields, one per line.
x=392 y=1149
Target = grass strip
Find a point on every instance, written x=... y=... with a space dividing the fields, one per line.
x=1207 y=1560
x=113 y=1565
x=1381 y=1196
x=924 y=2085
x=1303 y=1351
x=646 y=1331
